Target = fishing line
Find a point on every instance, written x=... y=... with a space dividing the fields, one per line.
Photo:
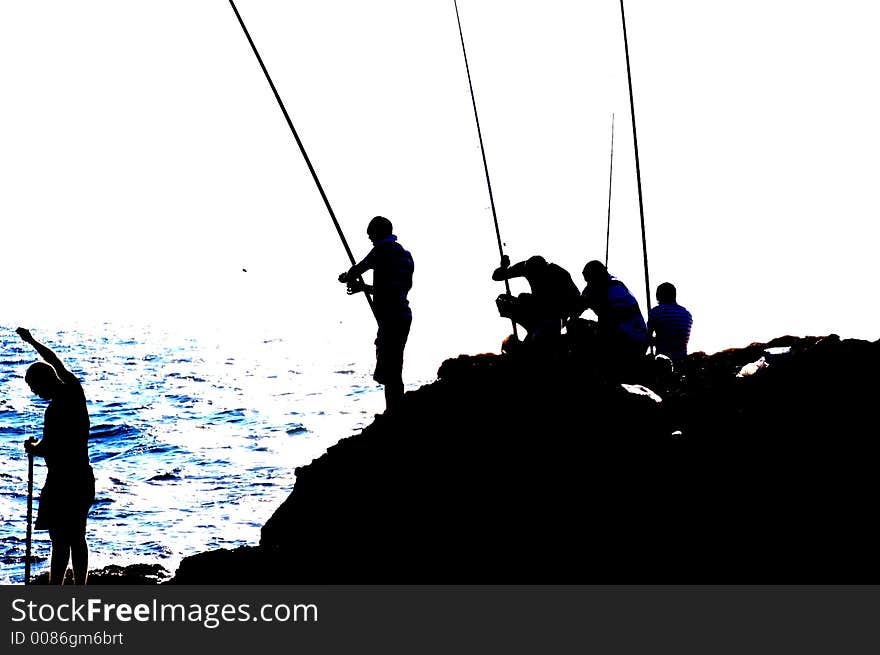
x=302 y=150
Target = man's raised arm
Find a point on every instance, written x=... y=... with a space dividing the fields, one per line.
x=46 y=353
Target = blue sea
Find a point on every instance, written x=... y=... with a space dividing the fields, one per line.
x=194 y=438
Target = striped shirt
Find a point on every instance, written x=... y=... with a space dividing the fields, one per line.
x=672 y=325
x=617 y=310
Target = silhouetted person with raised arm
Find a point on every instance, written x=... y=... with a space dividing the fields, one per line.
x=69 y=490
x=623 y=335
x=669 y=324
x=392 y=267
x=552 y=301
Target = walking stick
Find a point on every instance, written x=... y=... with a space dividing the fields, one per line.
x=30 y=515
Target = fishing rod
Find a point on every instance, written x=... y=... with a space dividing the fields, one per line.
x=636 y=147
x=302 y=150
x=483 y=152
x=610 y=177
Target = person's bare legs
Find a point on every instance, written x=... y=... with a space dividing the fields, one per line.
x=79 y=552
x=393 y=394
x=59 y=560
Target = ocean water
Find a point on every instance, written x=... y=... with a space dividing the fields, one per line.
x=194 y=439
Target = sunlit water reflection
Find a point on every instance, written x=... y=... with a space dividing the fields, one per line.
x=194 y=441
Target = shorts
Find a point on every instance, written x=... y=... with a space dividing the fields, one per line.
x=65 y=501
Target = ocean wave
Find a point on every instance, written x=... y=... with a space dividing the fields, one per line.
x=24 y=361
x=120 y=405
x=109 y=431
x=135 y=451
x=238 y=415
x=185 y=376
x=165 y=477
x=183 y=399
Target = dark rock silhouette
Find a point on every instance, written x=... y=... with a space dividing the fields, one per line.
x=511 y=470
x=133 y=574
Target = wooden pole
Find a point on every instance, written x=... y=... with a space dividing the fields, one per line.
x=30 y=517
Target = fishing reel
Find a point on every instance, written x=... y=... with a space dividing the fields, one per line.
x=506 y=304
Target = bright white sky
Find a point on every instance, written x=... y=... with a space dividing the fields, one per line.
x=145 y=163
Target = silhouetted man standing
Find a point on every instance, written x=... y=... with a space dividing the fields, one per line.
x=392 y=267
x=69 y=490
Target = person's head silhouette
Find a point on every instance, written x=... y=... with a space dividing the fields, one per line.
x=536 y=264
x=43 y=380
x=595 y=272
x=379 y=228
x=666 y=293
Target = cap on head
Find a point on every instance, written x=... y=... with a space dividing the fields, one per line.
x=595 y=271
x=379 y=228
x=666 y=293
x=42 y=379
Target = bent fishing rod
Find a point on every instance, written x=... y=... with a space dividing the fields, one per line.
x=632 y=111
x=303 y=151
x=483 y=152
x=610 y=178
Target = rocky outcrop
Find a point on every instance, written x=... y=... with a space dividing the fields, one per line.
x=133 y=574
x=543 y=468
